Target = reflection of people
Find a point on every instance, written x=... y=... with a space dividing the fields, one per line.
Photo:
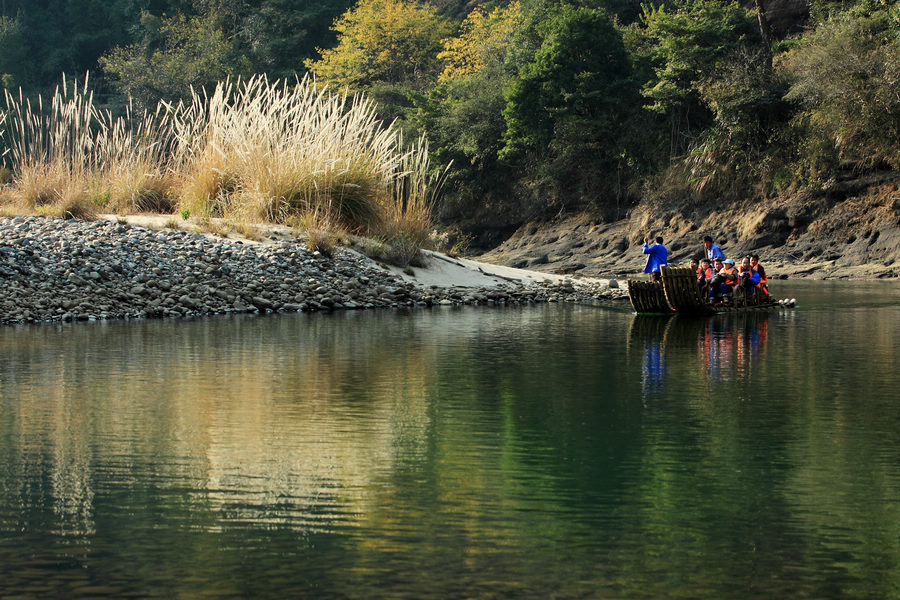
x=658 y=256
x=712 y=251
x=653 y=368
x=729 y=346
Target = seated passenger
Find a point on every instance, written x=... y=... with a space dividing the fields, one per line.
x=749 y=279
x=705 y=274
x=754 y=264
x=724 y=280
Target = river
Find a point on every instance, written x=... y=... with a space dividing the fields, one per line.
x=520 y=452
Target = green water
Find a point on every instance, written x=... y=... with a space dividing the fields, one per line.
x=526 y=452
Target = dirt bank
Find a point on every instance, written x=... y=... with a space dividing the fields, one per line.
x=847 y=230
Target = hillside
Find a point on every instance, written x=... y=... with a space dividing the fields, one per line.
x=850 y=229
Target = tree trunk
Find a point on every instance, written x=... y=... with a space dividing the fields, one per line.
x=764 y=29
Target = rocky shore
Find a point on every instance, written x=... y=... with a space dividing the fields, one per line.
x=68 y=270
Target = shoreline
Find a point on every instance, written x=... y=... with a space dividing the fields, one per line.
x=113 y=268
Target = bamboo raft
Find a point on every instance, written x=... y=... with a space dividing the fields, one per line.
x=648 y=297
x=678 y=292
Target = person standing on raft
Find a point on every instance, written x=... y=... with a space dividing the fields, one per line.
x=712 y=251
x=657 y=256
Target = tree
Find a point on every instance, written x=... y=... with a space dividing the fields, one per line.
x=566 y=109
x=14 y=63
x=684 y=47
x=281 y=34
x=63 y=36
x=175 y=54
x=846 y=74
x=482 y=40
x=384 y=41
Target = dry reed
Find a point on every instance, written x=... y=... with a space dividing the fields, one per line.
x=249 y=151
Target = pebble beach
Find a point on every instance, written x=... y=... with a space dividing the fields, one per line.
x=54 y=270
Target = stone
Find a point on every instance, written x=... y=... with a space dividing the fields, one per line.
x=66 y=270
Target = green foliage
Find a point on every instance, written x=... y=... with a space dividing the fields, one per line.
x=14 y=63
x=680 y=49
x=482 y=40
x=464 y=120
x=540 y=106
x=688 y=44
x=846 y=74
x=746 y=99
x=565 y=110
x=65 y=36
x=275 y=35
x=175 y=55
x=280 y=34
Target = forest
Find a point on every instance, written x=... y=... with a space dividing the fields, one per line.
x=539 y=107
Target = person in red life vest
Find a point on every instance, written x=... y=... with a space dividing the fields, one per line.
x=724 y=280
x=705 y=274
x=749 y=279
x=754 y=264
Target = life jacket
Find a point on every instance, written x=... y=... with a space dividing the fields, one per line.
x=762 y=280
x=729 y=270
x=704 y=275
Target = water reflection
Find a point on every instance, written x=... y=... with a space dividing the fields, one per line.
x=726 y=347
x=540 y=451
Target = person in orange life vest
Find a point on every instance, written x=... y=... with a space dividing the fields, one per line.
x=749 y=278
x=705 y=274
x=724 y=280
x=658 y=256
x=754 y=264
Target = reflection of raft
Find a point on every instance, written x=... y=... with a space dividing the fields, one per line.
x=678 y=292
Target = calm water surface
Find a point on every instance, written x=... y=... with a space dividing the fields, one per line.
x=533 y=452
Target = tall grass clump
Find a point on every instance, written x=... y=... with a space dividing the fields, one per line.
x=408 y=210
x=284 y=150
x=69 y=158
x=247 y=151
x=135 y=172
x=296 y=153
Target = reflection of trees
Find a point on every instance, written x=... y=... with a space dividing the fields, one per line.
x=288 y=435
x=479 y=450
x=770 y=469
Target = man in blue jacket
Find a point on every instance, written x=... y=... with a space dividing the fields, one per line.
x=712 y=251
x=657 y=256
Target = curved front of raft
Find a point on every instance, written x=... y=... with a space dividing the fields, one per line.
x=682 y=293
x=648 y=297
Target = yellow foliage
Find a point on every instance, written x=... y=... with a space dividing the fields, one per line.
x=393 y=41
x=482 y=36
